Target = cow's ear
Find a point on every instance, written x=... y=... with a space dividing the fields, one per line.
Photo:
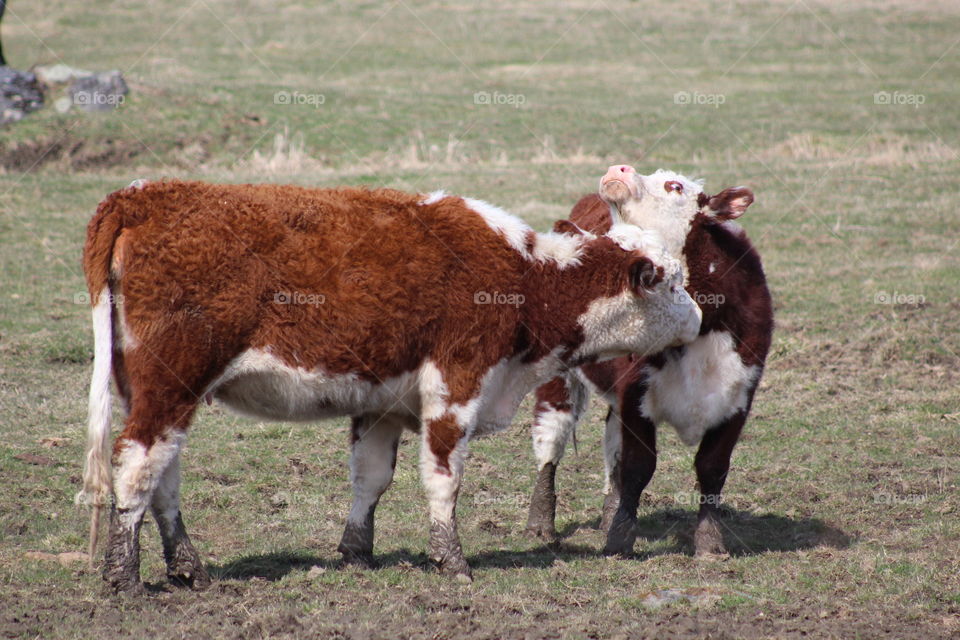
x=644 y=275
x=565 y=226
x=729 y=204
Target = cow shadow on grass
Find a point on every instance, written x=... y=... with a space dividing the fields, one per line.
x=663 y=532
x=744 y=533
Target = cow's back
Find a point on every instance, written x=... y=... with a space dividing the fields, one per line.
x=358 y=281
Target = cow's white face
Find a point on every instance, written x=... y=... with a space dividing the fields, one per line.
x=668 y=202
x=664 y=201
x=652 y=313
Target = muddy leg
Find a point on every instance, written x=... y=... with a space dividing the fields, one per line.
x=137 y=472
x=712 y=464
x=560 y=404
x=611 y=460
x=372 y=462
x=638 y=460
x=184 y=567
x=441 y=464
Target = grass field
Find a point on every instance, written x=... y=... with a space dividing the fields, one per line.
x=842 y=515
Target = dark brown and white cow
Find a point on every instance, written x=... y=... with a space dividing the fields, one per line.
x=287 y=303
x=703 y=389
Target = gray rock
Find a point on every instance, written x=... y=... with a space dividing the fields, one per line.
x=60 y=73
x=20 y=94
x=98 y=92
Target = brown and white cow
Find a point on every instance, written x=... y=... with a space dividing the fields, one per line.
x=703 y=389
x=287 y=303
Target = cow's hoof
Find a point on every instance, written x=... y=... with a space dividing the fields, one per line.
x=128 y=588
x=196 y=579
x=358 y=558
x=621 y=536
x=542 y=530
x=708 y=540
x=458 y=569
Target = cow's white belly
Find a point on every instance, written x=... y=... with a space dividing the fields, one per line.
x=260 y=385
x=699 y=389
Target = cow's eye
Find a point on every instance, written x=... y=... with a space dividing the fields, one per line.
x=672 y=186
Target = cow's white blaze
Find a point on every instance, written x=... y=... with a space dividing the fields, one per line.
x=705 y=385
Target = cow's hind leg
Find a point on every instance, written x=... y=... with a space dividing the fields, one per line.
x=372 y=462
x=611 y=460
x=138 y=468
x=638 y=461
x=560 y=404
x=184 y=567
x=149 y=444
x=712 y=464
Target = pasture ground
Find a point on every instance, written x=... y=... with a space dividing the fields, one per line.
x=843 y=515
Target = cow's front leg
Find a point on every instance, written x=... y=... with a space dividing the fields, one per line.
x=184 y=567
x=638 y=460
x=560 y=404
x=712 y=464
x=443 y=452
x=372 y=462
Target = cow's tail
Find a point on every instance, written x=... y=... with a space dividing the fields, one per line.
x=98 y=260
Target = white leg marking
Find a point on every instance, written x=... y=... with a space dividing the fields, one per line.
x=442 y=484
x=372 y=462
x=612 y=439
x=138 y=473
x=553 y=428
